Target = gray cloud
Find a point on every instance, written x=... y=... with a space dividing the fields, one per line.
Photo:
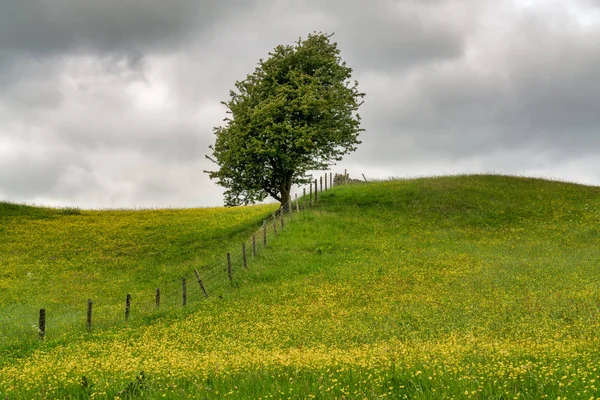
x=47 y=27
x=530 y=89
x=112 y=104
x=391 y=36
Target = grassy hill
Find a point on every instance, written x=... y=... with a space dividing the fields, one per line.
x=464 y=287
x=59 y=258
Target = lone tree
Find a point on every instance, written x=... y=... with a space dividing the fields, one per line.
x=297 y=112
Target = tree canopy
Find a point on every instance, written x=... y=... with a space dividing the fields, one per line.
x=296 y=113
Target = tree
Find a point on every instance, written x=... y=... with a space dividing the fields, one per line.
x=297 y=112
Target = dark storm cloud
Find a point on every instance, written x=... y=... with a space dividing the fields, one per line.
x=112 y=103
x=48 y=27
x=554 y=88
x=390 y=36
x=37 y=35
x=531 y=89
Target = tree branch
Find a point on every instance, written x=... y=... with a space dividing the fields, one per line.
x=273 y=195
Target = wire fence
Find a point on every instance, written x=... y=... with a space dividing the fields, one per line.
x=186 y=293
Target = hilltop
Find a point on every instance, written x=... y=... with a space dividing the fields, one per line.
x=468 y=286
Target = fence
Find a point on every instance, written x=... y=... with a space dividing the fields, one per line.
x=204 y=281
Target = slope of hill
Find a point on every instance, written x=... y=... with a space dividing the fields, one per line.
x=59 y=258
x=464 y=287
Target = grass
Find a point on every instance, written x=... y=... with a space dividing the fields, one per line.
x=453 y=287
x=58 y=258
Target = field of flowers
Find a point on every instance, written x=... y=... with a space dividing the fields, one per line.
x=454 y=287
x=57 y=259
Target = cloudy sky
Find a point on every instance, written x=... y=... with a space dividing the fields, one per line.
x=111 y=103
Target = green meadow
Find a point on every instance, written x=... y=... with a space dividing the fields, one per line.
x=459 y=287
x=57 y=259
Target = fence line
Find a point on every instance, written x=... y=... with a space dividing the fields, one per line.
x=211 y=279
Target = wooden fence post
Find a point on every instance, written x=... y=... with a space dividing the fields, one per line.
x=229 y=274
x=330 y=180
x=326 y=181
x=157 y=297
x=244 y=255
x=281 y=214
x=200 y=283
x=183 y=292
x=275 y=223
x=42 y=323
x=321 y=183
x=310 y=195
x=127 y=306
x=345 y=176
x=316 y=191
x=89 y=316
x=297 y=203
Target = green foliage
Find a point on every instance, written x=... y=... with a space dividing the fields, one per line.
x=70 y=211
x=295 y=113
x=12 y=209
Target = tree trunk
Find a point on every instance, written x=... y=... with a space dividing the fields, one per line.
x=286 y=187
